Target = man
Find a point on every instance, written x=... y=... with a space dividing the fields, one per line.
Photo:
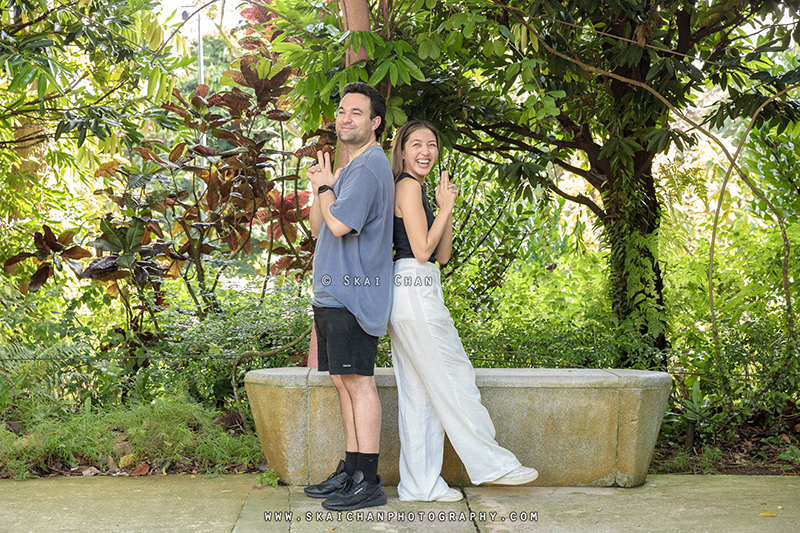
x=352 y=217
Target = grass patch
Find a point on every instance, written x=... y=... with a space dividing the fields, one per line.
x=171 y=434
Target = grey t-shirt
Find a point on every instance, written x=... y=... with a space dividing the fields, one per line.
x=355 y=270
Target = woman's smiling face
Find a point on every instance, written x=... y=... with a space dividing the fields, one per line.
x=420 y=152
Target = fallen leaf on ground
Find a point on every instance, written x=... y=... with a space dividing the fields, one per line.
x=767 y=514
x=141 y=470
x=127 y=461
x=91 y=471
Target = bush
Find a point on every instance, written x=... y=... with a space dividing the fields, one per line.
x=204 y=351
x=171 y=433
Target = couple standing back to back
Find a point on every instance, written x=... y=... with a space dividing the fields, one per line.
x=358 y=212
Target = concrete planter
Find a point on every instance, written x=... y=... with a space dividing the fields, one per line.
x=581 y=427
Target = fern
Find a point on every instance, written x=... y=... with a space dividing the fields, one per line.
x=32 y=368
x=678 y=179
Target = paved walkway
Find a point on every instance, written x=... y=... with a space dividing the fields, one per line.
x=225 y=504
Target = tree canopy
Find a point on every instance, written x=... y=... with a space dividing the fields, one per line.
x=72 y=71
x=590 y=87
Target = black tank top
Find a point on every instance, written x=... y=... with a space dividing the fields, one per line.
x=402 y=247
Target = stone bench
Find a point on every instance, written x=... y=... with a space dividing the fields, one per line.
x=582 y=427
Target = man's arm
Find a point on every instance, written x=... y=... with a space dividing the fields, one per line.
x=320 y=174
x=326 y=200
x=315 y=217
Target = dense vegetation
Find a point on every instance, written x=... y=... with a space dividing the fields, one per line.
x=155 y=242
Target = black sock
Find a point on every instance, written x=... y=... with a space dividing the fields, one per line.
x=350 y=463
x=368 y=464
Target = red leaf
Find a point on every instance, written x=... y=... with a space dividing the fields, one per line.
x=17 y=258
x=309 y=150
x=201 y=91
x=155 y=228
x=252 y=43
x=177 y=152
x=256 y=13
x=205 y=151
x=302 y=198
x=40 y=277
x=247 y=242
x=282 y=264
x=214 y=99
x=51 y=239
x=66 y=237
x=274 y=231
x=177 y=94
x=279 y=115
x=176 y=109
x=40 y=242
x=149 y=154
x=76 y=252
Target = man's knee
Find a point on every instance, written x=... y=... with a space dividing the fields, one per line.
x=357 y=385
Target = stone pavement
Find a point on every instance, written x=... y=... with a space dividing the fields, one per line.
x=236 y=503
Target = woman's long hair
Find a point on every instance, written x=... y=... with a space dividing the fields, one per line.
x=400 y=139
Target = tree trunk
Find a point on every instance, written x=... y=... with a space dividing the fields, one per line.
x=355 y=17
x=637 y=283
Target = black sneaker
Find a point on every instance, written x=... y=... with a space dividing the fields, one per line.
x=332 y=485
x=357 y=494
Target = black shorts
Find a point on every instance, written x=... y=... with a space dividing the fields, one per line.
x=342 y=346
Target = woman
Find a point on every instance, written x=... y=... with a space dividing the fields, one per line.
x=435 y=380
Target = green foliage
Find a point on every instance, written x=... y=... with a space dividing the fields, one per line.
x=680 y=462
x=708 y=461
x=73 y=78
x=269 y=478
x=204 y=351
x=772 y=161
x=165 y=432
x=589 y=88
x=217 y=58
x=180 y=217
x=791 y=454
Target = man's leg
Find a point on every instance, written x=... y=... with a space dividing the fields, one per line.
x=366 y=411
x=345 y=470
x=366 y=489
x=346 y=406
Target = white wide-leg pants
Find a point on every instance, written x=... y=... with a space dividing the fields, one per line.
x=436 y=390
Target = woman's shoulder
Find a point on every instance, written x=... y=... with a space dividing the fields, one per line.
x=407 y=186
x=402 y=178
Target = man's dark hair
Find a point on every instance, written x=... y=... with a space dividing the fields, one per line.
x=376 y=102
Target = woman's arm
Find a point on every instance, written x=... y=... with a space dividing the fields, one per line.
x=445 y=247
x=424 y=241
